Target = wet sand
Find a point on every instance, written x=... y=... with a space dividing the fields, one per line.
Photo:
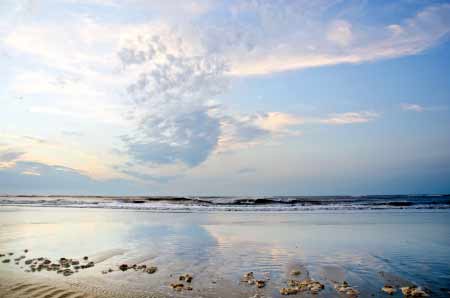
x=366 y=250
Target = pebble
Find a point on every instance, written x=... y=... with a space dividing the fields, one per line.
x=248 y=276
x=123 y=267
x=296 y=272
x=306 y=285
x=260 y=283
x=151 y=270
x=413 y=292
x=177 y=286
x=288 y=291
x=6 y=261
x=345 y=288
x=186 y=277
x=389 y=289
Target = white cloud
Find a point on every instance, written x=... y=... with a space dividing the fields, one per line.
x=276 y=121
x=412 y=107
x=340 y=33
x=171 y=88
x=349 y=118
x=421 y=108
x=255 y=50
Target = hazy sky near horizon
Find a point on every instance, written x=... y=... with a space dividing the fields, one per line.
x=210 y=97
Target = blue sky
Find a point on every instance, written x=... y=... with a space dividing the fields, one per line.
x=224 y=97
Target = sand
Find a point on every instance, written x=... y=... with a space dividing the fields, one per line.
x=366 y=250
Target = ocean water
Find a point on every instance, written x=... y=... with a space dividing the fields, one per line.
x=368 y=247
x=271 y=204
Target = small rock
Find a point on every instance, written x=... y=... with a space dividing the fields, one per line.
x=345 y=288
x=123 y=267
x=186 y=277
x=315 y=290
x=25 y=250
x=418 y=292
x=177 y=286
x=248 y=276
x=67 y=273
x=296 y=272
x=151 y=270
x=6 y=261
x=406 y=290
x=260 y=283
x=352 y=292
x=85 y=258
x=288 y=291
x=10 y=253
x=389 y=289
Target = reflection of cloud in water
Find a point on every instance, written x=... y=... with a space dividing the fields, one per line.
x=182 y=241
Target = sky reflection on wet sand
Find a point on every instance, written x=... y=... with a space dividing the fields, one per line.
x=223 y=246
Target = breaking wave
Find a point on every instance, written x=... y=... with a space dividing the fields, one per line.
x=276 y=203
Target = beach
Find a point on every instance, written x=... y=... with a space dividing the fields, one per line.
x=367 y=249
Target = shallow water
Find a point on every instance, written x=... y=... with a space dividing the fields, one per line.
x=218 y=247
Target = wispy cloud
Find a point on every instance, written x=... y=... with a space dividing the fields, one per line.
x=273 y=42
x=413 y=107
x=349 y=118
x=9 y=155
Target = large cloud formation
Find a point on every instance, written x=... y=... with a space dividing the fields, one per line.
x=171 y=95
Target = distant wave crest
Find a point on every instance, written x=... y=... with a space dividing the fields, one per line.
x=275 y=203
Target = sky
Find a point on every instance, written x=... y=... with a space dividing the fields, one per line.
x=224 y=97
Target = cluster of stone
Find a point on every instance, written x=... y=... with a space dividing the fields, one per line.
x=126 y=267
x=179 y=286
x=306 y=285
x=63 y=266
x=250 y=279
x=413 y=292
x=345 y=288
